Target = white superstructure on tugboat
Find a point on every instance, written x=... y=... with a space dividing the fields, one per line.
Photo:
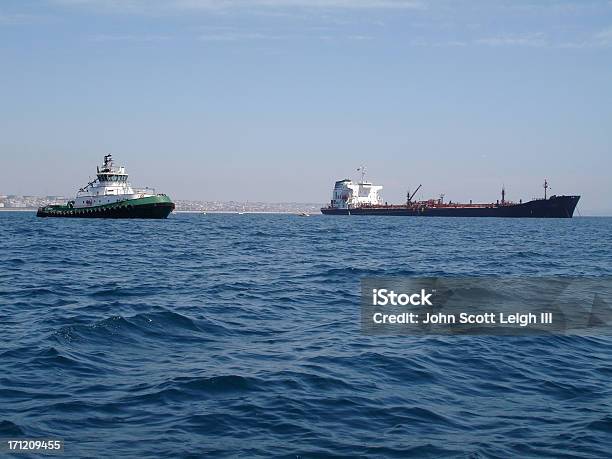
x=110 y=195
x=111 y=185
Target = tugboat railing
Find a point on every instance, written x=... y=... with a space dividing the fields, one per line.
x=145 y=190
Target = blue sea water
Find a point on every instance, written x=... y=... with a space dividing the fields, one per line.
x=239 y=335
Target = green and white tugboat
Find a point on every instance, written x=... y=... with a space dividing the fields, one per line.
x=110 y=195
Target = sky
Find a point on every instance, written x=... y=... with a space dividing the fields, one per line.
x=274 y=100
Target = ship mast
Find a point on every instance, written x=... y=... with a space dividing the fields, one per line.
x=546 y=187
x=363 y=172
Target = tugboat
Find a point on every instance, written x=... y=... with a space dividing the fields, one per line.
x=110 y=195
x=363 y=198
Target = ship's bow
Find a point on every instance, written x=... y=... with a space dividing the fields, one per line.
x=572 y=202
x=559 y=206
x=159 y=206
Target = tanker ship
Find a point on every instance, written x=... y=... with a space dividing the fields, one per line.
x=363 y=198
x=110 y=195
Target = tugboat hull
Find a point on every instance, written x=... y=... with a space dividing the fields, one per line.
x=159 y=206
x=554 y=207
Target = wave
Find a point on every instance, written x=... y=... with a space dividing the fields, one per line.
x=9 y=429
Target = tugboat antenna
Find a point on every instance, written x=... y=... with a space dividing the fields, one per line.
x=363 y=172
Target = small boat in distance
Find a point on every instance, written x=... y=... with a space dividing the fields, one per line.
x=110 y=195
x=303 y=214
x=363 y=198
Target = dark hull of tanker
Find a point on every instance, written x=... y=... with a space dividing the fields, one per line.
x=554 y=207
x=150 y=210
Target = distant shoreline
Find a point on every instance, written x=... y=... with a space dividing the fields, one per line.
x=286 y=212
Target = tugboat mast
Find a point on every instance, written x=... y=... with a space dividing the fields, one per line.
x=363 y=172
x=546 y=187
x=108 y=161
